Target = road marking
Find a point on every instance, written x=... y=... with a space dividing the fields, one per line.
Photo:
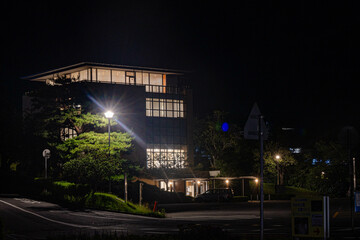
x=335 y=214
x=25 y=200
x=48 y=219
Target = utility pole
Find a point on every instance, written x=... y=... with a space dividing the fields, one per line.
x=255 y=129
x=261 y=178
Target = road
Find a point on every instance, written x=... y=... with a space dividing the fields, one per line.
x=29 y=219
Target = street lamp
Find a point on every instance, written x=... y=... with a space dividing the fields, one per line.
x=109 y=115
x=227 y=183
x=277 y=157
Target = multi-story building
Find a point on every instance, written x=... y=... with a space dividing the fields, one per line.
x=155 y=105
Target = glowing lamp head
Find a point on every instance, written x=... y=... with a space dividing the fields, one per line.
x=198 y=182
x=109 y=114
x=277 y=156
x=227 y=181
x=256 y=180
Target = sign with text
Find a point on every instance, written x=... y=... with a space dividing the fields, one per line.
x=310 y=217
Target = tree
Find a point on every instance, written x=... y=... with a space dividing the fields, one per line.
x=209 y=136
x=325 y=169
x=274 y=166
x=65 y=106
x=89 y=159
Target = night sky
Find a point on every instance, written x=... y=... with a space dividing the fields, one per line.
x=298 y=59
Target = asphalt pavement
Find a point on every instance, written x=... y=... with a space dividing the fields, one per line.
x=30 y=219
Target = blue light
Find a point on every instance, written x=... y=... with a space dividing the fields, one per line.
x=225 y=127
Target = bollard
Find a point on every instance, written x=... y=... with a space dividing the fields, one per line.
x=154 y=206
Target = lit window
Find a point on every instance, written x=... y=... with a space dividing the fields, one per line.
x=170 y=108
x=67 y=133
x=166 y=158
x=118 y=77
x=83 y=75
x=103 y=75
x=75 y=76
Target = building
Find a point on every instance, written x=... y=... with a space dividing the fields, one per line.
x=155 y=105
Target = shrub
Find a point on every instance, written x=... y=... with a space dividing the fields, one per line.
x=106 y=201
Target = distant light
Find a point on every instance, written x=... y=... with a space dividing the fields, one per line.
x=227 y=181
x=277 y=156
x=198 y=182
x=256 y=180
x=170 y=183
x=287 y=129
x=109 y=114
x=295 y=150
x=314 y=161
x=225 y=127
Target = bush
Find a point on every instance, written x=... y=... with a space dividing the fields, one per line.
x=61 y=192
x=70 y=193
x=106 y=201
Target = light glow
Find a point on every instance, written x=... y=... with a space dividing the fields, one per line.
x=109 y=114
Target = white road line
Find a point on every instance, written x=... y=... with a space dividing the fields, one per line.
x=48 y=219
x=25 y=200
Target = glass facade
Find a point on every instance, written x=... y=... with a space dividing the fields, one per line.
x=153 y=82
x=171 y=108
x=166 y=157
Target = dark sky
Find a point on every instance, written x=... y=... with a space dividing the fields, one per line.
x=298 y=59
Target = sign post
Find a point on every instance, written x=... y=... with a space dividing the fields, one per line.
x=140 y=193
x=255 y=129
x=357 y=201
x=46 y=155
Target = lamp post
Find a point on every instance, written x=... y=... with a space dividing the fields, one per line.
x=109 y=115
x=277 y=157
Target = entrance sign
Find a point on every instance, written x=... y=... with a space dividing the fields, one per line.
x=310 y=217
x=251 y=129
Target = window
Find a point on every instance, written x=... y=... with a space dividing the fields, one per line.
x=67 y=133
x=156 y=79
x=103 y=75
x=83 y=75
x=75 y=76
x=139 y=78
x=118 y=77
x=166 y=157
x=156 y=83
x=130 y=78
x=170 y=108
x=94 y=75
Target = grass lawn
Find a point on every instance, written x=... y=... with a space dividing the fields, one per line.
x=106 y=201
x=286 y=192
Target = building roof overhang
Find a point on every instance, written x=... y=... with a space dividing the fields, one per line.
x=85 y=65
